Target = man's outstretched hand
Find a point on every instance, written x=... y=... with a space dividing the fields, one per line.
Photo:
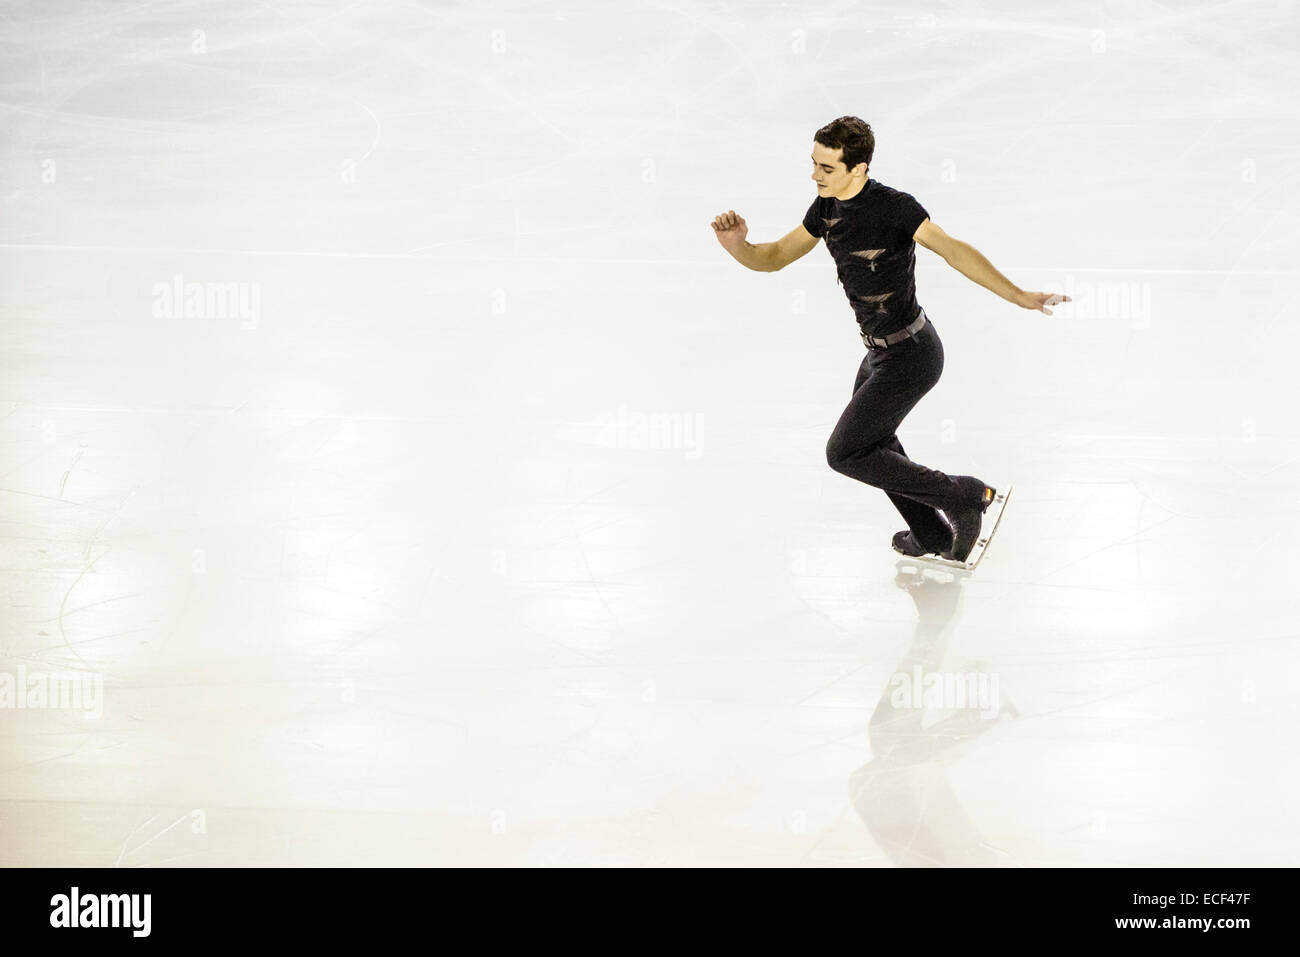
x=730 y=229
x=1041 y=300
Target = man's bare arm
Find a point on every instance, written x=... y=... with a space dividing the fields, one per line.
x=973 y=264
x=731 y=231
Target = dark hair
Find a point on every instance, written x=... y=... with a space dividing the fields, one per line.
x=852 y=135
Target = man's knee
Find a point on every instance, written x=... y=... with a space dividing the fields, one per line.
x=837 y=454
x=840 y=451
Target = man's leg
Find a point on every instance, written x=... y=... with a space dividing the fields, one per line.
x=926 y=523
x=864 y=445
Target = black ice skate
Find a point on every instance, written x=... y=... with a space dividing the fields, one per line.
x=968 y=545
x=905 y=543
x=987 y=515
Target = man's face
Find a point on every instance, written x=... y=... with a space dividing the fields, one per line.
x=829 y=172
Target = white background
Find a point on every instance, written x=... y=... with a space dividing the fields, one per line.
x=389 y=572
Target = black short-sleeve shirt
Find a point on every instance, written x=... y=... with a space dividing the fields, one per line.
x=870 y=238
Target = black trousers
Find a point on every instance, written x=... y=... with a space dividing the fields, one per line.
x=865 y=445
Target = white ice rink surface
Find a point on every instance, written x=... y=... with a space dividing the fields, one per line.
x=497 y=527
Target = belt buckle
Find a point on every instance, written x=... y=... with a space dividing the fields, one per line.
x=869 y=340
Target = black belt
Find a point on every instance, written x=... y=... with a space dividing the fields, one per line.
x=884 y=342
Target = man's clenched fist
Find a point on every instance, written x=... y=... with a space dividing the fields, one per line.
x=731 y=230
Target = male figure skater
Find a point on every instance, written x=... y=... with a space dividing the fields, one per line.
x=871 y=231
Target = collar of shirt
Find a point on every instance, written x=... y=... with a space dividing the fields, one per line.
x=860 y=197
